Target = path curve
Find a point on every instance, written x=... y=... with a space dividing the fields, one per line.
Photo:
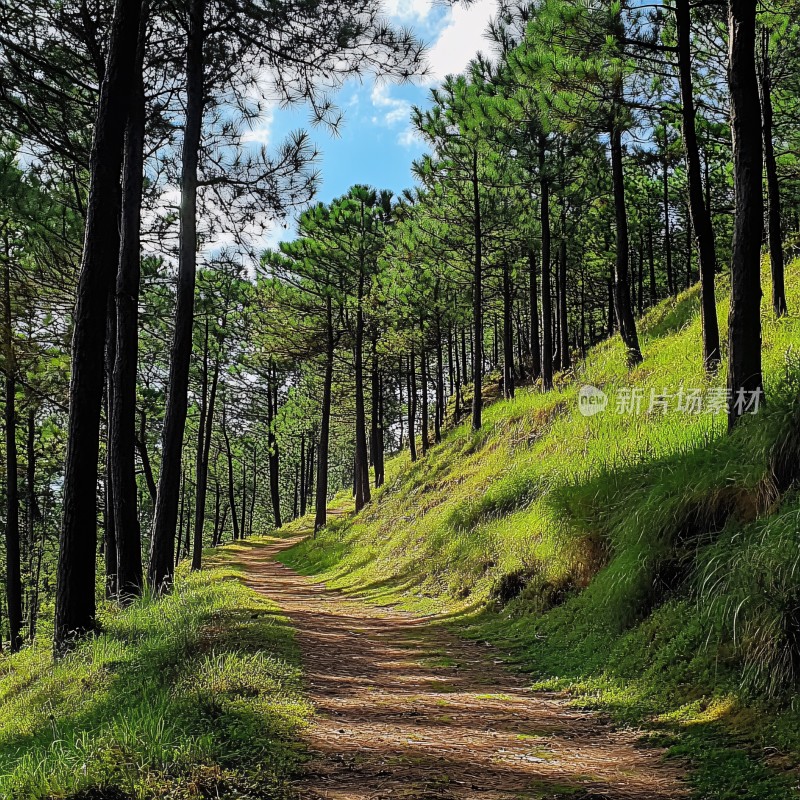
x=407 y=711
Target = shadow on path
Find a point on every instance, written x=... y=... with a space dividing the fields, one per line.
x=406 y=710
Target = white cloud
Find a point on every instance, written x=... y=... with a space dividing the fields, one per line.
x=409 y=138
x=408 y=10
x=463 y=35
x=393 y=109
x=259 y=131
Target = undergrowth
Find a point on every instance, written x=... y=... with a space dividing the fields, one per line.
x=646 y=562
x=196 y=695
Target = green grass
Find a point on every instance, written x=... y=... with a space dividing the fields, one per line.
x=638 y=560
x=197 y=695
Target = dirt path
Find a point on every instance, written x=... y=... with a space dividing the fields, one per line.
x=405 y=710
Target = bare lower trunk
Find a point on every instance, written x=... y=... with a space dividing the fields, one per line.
x=622 y=291
x=744 y=327
x=321 y=501
x=547 y=308
x=123 y=410
x=13 y=564
x=162 y=556
x=477 y=300
x=776 y=262
x=75 y=601
x=362 y=490
x=698 y=208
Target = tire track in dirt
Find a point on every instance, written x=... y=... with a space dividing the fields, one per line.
x=407 y=710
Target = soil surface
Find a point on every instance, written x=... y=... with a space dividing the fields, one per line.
x=407 y=710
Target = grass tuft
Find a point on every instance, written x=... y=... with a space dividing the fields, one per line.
x=195 y=695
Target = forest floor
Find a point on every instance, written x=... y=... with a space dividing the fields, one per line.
x=405 y=709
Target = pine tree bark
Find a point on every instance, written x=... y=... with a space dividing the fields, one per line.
x=775 y=236
x=123 y=409
x=243 y=520
x=13 y=557
x=547 y=308
x=423 y=379
x=508 y=335
x=744 y=326
x=477 y=299
x=110 y=551
x=376 y=422
x=205 y=429
x=412 y=406
x=75 y=606
x=302 y=470
x=438 y=419
x=321 y=501
x=144 y=457
x=622 y=291
x=671 y=283
x=162 y=556
x=699 y=210
x=652 y=264
x=533 y=302
x=272 y=442
x=231 y=477
x=563 y=321
x=362 y=490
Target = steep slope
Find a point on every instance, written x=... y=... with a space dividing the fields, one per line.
x=641 y=558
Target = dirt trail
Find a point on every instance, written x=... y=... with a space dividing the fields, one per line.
x=406 y=710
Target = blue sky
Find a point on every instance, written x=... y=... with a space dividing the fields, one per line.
x=376 y=143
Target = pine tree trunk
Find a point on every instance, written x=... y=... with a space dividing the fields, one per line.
x=547 y=309
x=144 y=457
x=32 y=514
x=231 y=478
x=75 y=606
x=423 y=379
x=302 y=474
x=243 y=521
x=255 y=488
x=110 y=549
x=533 y=302
x=622 y=291
x=563 y=322
x=321 y=501
x=671 y=283
x=217 y=503
x=205 y=429
x=13 y=558
x=412 y=406
x=508 y=337
x=744 y=327
x=779 y=306
x=652 y=264
x=376 y=432
x=274 y=455
x=123 y=409
x=362 y=490
x=439 y=416
x=477 y=301
x=700 y=212
x=165 y=516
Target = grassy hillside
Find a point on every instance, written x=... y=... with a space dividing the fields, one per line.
x=641 y=560
x=195 y=696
